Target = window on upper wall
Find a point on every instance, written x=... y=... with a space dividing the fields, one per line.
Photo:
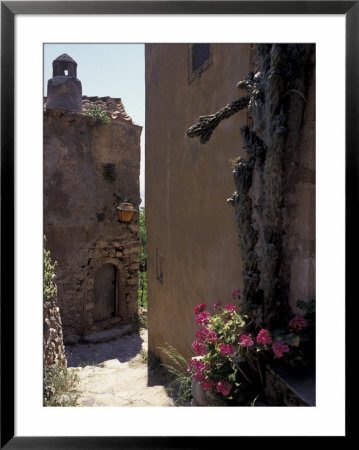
x=199 y=59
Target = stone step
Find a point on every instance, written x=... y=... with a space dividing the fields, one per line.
x=291 y=389
x=107 y=335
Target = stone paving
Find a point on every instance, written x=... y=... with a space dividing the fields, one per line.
x=115 y=373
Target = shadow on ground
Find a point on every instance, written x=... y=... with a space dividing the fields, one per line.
x=178 y=389
x=124 y=349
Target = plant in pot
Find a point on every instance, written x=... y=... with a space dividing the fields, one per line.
x=230 y=361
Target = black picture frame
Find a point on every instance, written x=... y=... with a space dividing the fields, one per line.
x=9 y=9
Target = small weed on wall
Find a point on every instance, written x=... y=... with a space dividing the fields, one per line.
x=97 y=113
x=109 y=172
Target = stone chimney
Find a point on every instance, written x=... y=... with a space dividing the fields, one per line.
x=64 y=90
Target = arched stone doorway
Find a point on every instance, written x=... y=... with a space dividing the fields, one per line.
x=105 y=293
x=105 y=303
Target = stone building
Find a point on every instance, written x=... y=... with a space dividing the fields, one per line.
x=193 y=252
x=89 y=169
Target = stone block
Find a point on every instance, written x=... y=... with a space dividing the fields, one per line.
x=285 y=388
x=72 y=339
x=108 y=335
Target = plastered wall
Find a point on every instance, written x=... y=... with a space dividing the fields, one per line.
x=187 y=184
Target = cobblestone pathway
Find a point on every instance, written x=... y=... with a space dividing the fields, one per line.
x=115 y=373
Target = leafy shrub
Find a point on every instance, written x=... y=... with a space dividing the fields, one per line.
x=49 y=288
x=143 y=237
x=142 y=290
x=58 y=383
x=97 y=113
x=60 y=387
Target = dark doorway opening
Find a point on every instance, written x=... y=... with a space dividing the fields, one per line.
x=105 y=292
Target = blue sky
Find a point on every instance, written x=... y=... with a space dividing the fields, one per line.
x=115 y=70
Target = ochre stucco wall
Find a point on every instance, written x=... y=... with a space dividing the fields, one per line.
x=187 y=185
x=80 y=220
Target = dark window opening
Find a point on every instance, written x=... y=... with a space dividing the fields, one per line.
x=199 y=60
x=200 y=53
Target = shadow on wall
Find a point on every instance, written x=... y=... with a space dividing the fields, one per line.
x=123 y=349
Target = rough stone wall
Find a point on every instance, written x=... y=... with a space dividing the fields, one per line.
x=297 y=212
x=53 y=344
x=88 y=167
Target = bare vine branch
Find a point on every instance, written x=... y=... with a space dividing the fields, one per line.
x=207 y=124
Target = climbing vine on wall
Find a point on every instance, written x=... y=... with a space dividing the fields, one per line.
x=275 y=99
x=49 y=287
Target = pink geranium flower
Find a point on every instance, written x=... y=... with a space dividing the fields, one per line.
x=206 y=334
x=199 y=308
x=199 y=348
x=279 y=348
x=212 y=336
x=203 y=318
x=199 y=376
x=226 y=349
x=297 y=323
x=236 y=293
x=264 y=337
x=201 y=334
x=217 y=304
x=246 y=340
x=207 y=384
x=189 y=366
x=197 y=365
x=229 y=307
x=223 y=387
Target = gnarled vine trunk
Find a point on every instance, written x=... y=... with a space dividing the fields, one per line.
x=275 y=98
